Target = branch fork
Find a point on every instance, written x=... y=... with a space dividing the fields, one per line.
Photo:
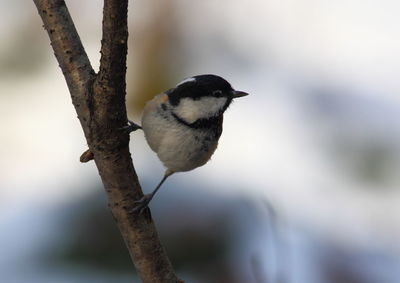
x=99 y=100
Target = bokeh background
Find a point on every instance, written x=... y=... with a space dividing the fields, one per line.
x=304 y=187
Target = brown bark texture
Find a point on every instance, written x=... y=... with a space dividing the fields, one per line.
x=99 y=100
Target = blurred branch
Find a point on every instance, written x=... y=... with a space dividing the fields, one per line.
x=99 y=100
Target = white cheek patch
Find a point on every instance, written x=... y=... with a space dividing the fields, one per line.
x=191 y=110
x=186 y=81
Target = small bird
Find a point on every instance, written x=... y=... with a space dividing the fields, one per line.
x=183 y=124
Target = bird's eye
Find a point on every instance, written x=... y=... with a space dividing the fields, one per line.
x=217 y=93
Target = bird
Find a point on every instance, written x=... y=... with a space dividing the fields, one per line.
x=183 y=124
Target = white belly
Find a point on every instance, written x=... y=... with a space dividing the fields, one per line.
x=179 y=147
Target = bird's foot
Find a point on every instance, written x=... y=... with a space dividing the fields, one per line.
x=142 y=204
x=131 y=127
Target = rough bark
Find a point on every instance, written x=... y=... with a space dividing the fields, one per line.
x=99 y=100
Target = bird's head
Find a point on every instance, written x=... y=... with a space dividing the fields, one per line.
x=202 y=97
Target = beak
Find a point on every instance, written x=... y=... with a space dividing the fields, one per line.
x=237 y=93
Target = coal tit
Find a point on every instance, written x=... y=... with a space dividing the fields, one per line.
x=183 y=124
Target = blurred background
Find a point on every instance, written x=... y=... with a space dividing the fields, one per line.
x=304 y=187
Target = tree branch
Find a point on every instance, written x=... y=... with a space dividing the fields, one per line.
x=70 y=54
x=100 y=104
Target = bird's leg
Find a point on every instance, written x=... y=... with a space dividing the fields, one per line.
x=131 y=127
x=145 y=200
